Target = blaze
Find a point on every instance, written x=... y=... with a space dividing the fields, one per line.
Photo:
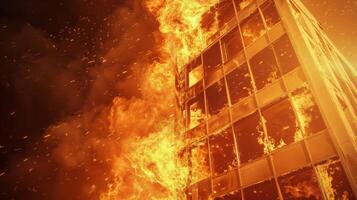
x=150 y=164
x=303 y=103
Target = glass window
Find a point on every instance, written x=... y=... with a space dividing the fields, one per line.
x=307 y=111
x=265 y=190
x=300 y=185
x=239 y=83
x=208 y=19
x=264 y=68
x=189 y=194
x=281 y=124
x=334 y=180
x=195 y=72
x=232 y=43
x=241 y=4
x=196 y=108
x=223 y=156
x=197 y=132
x=286 y=54
x=225 y=12
x=230 y=196
x=216 y=97
x=212 y=59
x=199 y=161
x=252 y=28
x=195 y=76
x=248 y=131
x=270 y=14
x=181 y=115
x=204 y=190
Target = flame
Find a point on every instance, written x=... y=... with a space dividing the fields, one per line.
x=157 y=171
x=326 y=180
x=199 y=162
x=302 y=102
x=149 y=165
x=269 y=144
x=195 y=75
x=196 y=115
x=244 y=4
x=303 y=190
x=180 y=21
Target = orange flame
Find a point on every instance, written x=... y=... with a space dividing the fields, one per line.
x=302 y=102
x=149 y=165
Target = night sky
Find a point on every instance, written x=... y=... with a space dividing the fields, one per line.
x=62 y=59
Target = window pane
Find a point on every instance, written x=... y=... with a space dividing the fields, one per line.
x=270 y=14
x=212 y=58
x=264 y=68
x=231 y=196
x=286 y=54
x=197 y=132
x=334 y=180
x=300 y=185
x=248 y=131
x=239 y=83
x=232 y=43
x=189 y=194
x=199 y=161
x=196 y=108
x=281 y=124
x=307 y=111
x=252 y=28
x=216 y=97
x=222 y=152
x=225 y=12
x=195 y=75
x=195 y=72
x=265 y=190
x=204 y=190
x=208 y=19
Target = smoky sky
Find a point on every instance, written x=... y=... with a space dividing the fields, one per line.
x=63 y=61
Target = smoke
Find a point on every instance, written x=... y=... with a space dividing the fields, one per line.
x=116 y=138
x=70 y=80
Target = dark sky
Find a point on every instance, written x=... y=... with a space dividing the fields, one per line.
x=61 y=63
x=48 y=49
x=59 y=59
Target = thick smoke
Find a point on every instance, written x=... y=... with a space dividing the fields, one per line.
x=70 y=80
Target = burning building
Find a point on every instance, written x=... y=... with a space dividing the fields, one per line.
x=268 y=108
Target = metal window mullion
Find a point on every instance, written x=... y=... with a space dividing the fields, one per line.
x=270 y=157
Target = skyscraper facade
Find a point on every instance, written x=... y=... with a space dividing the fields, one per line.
x=268 y=109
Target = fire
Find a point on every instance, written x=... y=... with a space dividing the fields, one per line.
x=199 y=163
x=180 y=22
x=303 y=102
x=195 y=76
x=303 y=190
x=149 y=165
x=268 y=143
x=156 y=171
x=326 y=180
